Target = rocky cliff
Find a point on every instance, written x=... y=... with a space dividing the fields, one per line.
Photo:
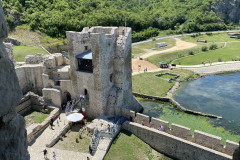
x=227 y=9
x=13 y=144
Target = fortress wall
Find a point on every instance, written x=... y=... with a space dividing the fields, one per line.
x=181 y=131
x=201 y=138
x=141 y=117
x=30 y=78
x=230 y=147
x=156 y=123
x=53 y=95
x=208 y=140
x=173 y=146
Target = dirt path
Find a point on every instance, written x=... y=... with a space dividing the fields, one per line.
x=180 y=45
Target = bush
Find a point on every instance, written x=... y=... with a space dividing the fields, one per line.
x=213 y=47
x=190 y=53
x=204 y=48
x=209 y=33
x=238 y=37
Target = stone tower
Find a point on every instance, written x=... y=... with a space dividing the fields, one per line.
x=100 y=68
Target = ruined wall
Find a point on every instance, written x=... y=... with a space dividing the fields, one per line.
x=12 y=125
x=30 y=78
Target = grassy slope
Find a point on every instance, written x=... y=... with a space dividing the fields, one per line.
x=148 y=83
x=139 y=49
x=172 y=57
x=21 y=51
x=231 y=51
x=128 y=147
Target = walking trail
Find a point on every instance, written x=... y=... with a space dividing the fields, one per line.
x=35 y=150
x=180 y=45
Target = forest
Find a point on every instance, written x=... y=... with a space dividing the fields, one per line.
x=146 y=17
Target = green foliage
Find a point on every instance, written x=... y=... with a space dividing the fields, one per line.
x=191 y=52
x=146 y=17
x=213 y=46
x=238 y=37
x=204 y=48
x=209 y=33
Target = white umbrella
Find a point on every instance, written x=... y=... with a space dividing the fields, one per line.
x=75 y=117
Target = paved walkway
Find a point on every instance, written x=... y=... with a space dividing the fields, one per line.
x=35 y=150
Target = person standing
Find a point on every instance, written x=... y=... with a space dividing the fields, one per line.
x=45 y=153
x=54 y=156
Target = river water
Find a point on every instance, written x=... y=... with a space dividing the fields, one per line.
x=214 y=94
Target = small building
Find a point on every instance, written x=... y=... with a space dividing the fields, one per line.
x=160 y=45
x=163 y=64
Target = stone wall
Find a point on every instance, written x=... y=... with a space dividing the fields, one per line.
x=173 y=146
x=200 y=138
x=30 y=78
x=52 y=96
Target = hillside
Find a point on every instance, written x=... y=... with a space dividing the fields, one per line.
x=146 y=17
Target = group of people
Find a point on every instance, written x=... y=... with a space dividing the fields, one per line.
x=210 y=63
x=45 y=152
x=58 y=121
x=139 y=68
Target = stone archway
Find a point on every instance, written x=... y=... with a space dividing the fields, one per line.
x=66 y=97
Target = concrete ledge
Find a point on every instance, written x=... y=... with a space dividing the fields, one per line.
x=208 y=140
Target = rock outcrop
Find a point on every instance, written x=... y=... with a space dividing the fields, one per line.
x=227 y=9
x=9 y=49
x=13 y=144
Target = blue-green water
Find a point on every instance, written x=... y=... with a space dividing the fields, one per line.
x=215 y=94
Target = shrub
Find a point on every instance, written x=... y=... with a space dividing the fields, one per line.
x=190 y=53
x=209 y=33
x=213 y=47
x=238 y=37
x=204 y=48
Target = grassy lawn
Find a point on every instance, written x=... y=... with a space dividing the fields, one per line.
x=127 y=146
x=166 y=76
x=150 y=46
x=69 y=141
x=34 y=117
x=20 y=52
x=148 y=83
x=215 y=37
x=168 y=113
x=231 y=51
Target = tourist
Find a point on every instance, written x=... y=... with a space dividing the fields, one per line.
x=45 y=153
x=90 y=149
x=52 y=121
x=109 y=128
x=54 y=156
x=51 y=125
x=57 y=123
x=59 y=118
x=162 y=128
x=142 y=123
x=146 y=69
x=210 y=62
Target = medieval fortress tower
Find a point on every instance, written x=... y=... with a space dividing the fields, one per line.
x=99 y=67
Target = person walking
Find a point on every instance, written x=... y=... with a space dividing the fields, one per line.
x=57 y=123
x=45 y=153
x=54 y=156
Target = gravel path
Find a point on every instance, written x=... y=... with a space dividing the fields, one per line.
x=215 y=68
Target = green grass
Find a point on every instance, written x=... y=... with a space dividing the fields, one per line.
x=69 y=140
x=20 y=52
x=34 y=117
x=215 y=37
x=231 y=51
x=127 y=146
x=150 y=46
x=168 y=113
x=148 y=83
